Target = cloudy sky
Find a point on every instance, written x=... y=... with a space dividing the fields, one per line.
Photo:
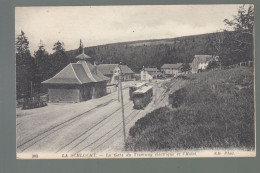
x=101 y=25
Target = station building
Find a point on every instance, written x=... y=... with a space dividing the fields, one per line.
x=77 y=82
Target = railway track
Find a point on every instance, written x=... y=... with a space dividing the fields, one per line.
x=162 y=100
x=27 y=144
x=116 y=128
x=119 y=129
x=109 y=135
x=175 y=85
x=90 y=131
x=89 y=139
x=96 y=144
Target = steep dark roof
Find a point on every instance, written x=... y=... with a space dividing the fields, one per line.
x=107 y=69
x=172 y=66
x=93 y=71
x=66 y=75
x=151 y=69
x=203 y=58
x=126 y=70
x=81 y=72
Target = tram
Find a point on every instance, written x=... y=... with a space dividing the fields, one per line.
x=142 y=97
x=134 y=88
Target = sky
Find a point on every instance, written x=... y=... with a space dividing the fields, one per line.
x=97 y=25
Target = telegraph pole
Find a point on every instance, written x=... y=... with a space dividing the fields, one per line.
x=155 y=89
x=118 y=92
x=122 y=101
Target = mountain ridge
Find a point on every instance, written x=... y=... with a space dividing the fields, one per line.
x=153 y=52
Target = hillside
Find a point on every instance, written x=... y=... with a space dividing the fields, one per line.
x=214 y=110
x=137 y=54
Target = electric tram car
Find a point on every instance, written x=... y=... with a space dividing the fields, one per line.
x=142 y=97
x=134 y=88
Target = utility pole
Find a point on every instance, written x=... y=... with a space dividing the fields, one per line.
x=122 y=101
x=155 y=90
x=118 y=92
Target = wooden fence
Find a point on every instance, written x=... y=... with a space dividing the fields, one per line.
x=241 y=64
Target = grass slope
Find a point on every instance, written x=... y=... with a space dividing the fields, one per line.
x=214 y=110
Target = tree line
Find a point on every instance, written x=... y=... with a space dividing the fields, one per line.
x=232 y=45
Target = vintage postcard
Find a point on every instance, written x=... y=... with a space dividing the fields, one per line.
x=161 y=81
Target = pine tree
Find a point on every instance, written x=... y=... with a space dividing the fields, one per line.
x=22 y=44
x=59 y=59
x=25 y=67
x=58 y=47
x=42 y=62
x=40 y=55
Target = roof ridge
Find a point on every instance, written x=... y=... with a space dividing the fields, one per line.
x=107 y=64
x=204 y=55
x=75 y=74
x=90 y=76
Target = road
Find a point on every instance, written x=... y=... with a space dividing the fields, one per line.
x=91 y=126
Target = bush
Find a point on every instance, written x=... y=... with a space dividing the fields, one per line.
x=212 y=64
x=177 y=98
x=34 y=102
x=183 y=77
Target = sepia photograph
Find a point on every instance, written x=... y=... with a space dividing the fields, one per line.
x=140 y=81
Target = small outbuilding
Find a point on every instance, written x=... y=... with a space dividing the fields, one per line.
x=77 y=82
x=150 y=73
x=171 y=69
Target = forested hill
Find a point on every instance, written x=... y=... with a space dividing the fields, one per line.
x=151 y=53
